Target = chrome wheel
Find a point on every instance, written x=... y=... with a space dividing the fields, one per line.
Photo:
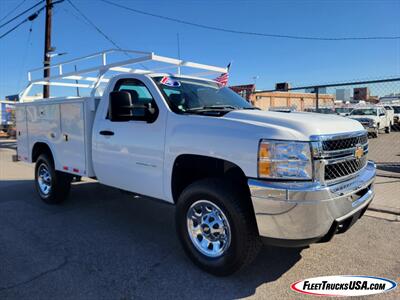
x=44 y=179
x=208 y=228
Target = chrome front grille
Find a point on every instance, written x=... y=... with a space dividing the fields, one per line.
x=345 y=143
x=337 y=157
x=344 y=168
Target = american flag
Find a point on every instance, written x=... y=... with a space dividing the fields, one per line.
x=224 y=77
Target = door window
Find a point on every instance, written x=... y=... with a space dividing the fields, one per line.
x=139 y=90
x=140 y=96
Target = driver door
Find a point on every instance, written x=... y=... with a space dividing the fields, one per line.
x=129 y=154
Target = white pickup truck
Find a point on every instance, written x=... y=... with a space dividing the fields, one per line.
x=391 y=114
x=396 y=118
x=373 y=118
x=237 y=175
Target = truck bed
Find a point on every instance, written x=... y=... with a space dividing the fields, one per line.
x=64 y=125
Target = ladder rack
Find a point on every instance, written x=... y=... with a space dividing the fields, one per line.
x=63 y=77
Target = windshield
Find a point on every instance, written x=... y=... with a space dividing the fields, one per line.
x=396 y=109
x=364 y=112
x=194 y=95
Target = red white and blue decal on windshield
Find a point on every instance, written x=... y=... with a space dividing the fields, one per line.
x=168 y=81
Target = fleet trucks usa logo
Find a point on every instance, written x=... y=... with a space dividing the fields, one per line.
x=346 y=285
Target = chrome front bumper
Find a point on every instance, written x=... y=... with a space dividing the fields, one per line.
x=371 y=129
x=308 y=210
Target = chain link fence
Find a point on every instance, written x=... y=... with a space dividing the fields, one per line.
x=322 y=96
x=357 y=99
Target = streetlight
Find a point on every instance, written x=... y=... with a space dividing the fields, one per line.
x=52 y=54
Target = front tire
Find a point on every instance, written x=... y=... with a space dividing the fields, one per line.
x=376 y=132
x=52 y=186
x=388 y=129
x=216 y=225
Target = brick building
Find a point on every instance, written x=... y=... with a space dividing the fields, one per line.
x=300 y=101
x=244 y=90
x=361 y=93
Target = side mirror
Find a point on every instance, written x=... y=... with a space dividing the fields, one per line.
x=144 y=112
x=120 y=108
x=381 y=114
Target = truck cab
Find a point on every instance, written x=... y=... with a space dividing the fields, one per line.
x=238 y=176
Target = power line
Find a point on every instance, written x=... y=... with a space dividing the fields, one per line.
x=14 y=9
x=93 y=25
x=28 y=44
x=99 y=30
x=25 y=11
x=221 y=29
x=29 y=18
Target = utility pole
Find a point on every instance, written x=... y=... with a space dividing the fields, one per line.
x=47 y=46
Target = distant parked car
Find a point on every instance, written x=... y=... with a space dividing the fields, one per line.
x=343 y=111
x=396 y=117
x=372 y=118
x=321 y=110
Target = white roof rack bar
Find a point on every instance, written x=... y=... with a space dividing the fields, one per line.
x=97 y=68
x=201 y=74
x=102 y=63
x=130 y=70
x=182 y=63
x=92 y=56
x=91 y=79
x=81 y=85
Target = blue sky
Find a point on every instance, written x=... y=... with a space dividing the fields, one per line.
x=272 y=59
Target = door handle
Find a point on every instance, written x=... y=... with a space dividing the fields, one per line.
x=106 y=132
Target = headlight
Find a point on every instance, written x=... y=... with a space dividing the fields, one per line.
x=284 y=160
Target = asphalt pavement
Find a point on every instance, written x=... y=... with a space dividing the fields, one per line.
x=103 y=244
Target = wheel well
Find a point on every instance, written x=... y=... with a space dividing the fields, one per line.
x=41 y=148
x=189 y=168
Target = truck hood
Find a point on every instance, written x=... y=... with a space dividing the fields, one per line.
x=299 y=125
x=360 y=117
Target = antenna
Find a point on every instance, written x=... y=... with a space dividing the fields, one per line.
x=179 y=50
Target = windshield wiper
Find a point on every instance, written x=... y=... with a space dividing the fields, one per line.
x=252 y=108
x=211 y=107
x=220 y=106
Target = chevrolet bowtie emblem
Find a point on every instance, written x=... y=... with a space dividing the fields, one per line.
x=359 y=152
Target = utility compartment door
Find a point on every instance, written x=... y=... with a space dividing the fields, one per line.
x=22 y=133
x=72 y=145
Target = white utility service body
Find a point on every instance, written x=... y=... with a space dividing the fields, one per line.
x=65 y=126
x=159 y=157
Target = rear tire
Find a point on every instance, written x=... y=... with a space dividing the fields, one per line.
x=199 y=201
x=52 y=186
